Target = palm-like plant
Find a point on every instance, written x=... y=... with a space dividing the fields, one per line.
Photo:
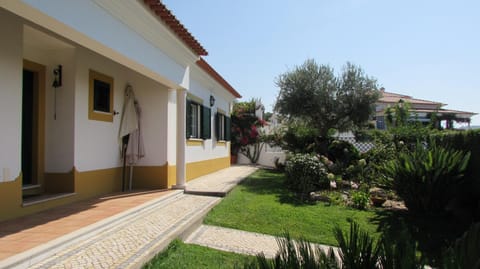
x=426 y=177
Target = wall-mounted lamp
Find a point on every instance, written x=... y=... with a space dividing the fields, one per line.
x=212 y=100
x=57 y=77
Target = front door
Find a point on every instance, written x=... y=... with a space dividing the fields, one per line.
x=33 y=117
x=27 y=127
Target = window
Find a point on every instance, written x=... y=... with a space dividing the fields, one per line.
x=381 y=123
x=198 y=121
x=100 y=103
x=222 y=127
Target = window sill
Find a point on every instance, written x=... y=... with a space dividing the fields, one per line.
x=222 y=142
x=100 y=116
x=194 y=142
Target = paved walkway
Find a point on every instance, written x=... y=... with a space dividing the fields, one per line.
x=221 y=182
x=25 y=233
x=126 y=239
x=237 y=241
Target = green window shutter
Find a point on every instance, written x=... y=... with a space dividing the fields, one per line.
x=217 y=125
x=188 y=125
x=228 y=128
x=206 y=123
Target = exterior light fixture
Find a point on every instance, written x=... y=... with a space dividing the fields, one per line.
x=212 y=100
x=57 y=77
x=57 y=82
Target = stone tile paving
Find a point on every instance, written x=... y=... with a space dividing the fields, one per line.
x=236 y=241
x=221 y=181
x=125 y=245
x=24 y=233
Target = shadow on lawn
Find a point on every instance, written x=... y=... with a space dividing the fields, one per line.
x=272 y=183
x=432 y=234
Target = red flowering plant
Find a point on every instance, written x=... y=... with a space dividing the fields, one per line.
x=246 y=136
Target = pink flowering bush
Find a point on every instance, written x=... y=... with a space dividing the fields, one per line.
x=246 y=137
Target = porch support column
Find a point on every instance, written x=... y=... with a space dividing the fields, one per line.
x=181 y=118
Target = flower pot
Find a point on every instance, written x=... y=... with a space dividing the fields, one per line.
x=233 y=159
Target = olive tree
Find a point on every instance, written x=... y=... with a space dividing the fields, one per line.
x=313 y=93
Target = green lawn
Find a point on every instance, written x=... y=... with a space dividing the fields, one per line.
x=262 y=204
x=181 y=255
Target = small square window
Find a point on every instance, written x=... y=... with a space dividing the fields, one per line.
x=100 y=97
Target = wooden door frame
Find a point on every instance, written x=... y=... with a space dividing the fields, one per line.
x=38 y=142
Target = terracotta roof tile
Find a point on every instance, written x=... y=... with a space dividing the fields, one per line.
x=209 y=69
x=389 y=97
x=176 y=26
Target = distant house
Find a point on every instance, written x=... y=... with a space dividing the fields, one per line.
x=421 y=110
x=64 y=68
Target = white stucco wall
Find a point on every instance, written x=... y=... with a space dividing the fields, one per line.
x=267 y=157
x=10 y=95
x=96 y=142
x=59 y=132
x=210 y=149
x=93 y=20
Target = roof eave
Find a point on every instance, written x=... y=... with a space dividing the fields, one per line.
x=217 y=77
x=167 y=17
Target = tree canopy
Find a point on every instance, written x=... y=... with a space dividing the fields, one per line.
x=313 y=93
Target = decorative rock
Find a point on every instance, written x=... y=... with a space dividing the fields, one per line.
x=319 y=197
x=378 y=192
x=395 y=205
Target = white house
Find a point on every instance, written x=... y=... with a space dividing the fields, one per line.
x=59 y=139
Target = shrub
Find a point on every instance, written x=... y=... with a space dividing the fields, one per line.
x=343 y=152
x=305 y=173
x=426 y=177
x=360 y=199
x=469 y=194
x=299 y=137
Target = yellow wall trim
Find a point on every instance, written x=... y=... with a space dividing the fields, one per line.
x=97 y=182
x=198 y=169
x=149 y=177
x=194 y=98
x=194 y=142
x=60 y=182
x=172 y=175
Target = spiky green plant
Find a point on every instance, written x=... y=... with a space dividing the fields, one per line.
x=358 y=250
x=296 y=255
x=426 y=177
x=399 y=252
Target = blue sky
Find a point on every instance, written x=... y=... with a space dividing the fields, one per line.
x=427 y=49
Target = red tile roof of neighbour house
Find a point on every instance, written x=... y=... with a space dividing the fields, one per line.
x=216 y=76
x=176 y=26
x=390 y=97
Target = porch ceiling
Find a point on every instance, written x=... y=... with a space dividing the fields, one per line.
x=33 y=38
